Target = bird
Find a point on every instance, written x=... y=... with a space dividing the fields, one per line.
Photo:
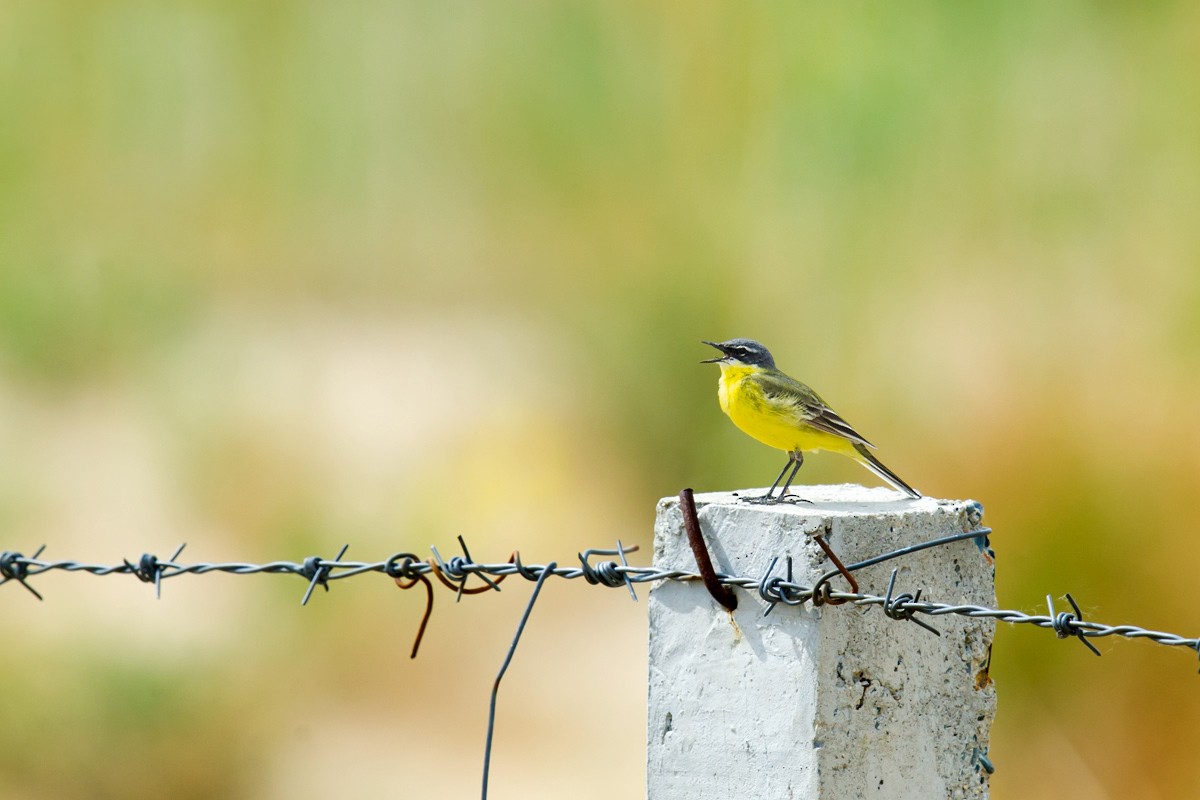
x=782 y=412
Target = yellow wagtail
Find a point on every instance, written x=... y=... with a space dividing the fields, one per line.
x=785 y=414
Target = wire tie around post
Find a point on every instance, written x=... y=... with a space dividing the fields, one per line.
x=981 y=760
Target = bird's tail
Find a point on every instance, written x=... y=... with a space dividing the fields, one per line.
x=872 y=463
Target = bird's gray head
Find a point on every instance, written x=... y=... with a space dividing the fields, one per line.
x=741 y=351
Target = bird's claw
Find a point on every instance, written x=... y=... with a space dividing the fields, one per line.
x=773 y=500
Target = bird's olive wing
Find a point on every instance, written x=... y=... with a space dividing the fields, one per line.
x=784 y=392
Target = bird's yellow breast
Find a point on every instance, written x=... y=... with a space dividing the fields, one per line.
x=772 y=421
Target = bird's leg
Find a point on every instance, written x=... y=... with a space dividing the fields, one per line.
x=784 y=497
x=795 y=459
x=787 y=465
x=769 y=497
x=798 y=458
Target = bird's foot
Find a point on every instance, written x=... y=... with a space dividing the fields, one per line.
x=792 y=499
x=774 y=500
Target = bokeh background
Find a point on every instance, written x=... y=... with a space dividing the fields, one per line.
x=280 y=276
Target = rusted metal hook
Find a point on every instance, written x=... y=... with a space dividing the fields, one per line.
x=821 y=591
x=691 y=522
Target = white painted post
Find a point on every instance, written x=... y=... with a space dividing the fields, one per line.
x=833 y=703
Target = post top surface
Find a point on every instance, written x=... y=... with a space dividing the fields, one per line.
x=834 y=499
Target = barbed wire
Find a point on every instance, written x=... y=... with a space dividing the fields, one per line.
x=455 y=571
x=407 y=570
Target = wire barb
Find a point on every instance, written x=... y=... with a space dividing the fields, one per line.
x=779 y=590
x=898 y=607
x=606 y=572
x=317 y=570
x=1064 y=624
x=15 y=567
x=150 y=570
x=456 y=569
x=528 y=573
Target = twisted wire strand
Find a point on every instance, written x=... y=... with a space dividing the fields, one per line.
x=773 y=589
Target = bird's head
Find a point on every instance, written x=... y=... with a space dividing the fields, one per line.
x=741 y=352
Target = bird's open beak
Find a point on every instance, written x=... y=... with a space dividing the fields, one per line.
x=719 y=358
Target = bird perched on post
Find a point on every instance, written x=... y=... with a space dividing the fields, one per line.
x=782 y=412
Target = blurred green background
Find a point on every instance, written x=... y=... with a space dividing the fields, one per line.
x=277 y=276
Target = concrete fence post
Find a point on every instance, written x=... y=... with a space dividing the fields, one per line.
x=831 y=703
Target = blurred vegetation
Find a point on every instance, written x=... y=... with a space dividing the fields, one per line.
x=275 y=276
